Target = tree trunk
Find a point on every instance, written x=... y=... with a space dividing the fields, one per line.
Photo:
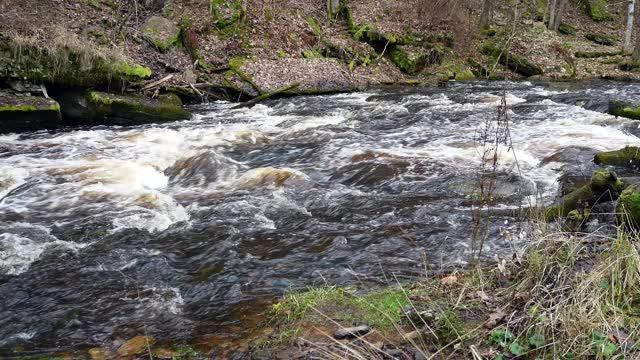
x=486 y=15
x=636 y=51
x=559 y=10
x=552 y=14
x=333 y=6
x=627 y=35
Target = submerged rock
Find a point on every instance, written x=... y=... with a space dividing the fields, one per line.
x=135 y=345
x=629 y=156
x=28 y=113
x=604 y=186
x=160 y=32
x=94 y=107
x=624 y=109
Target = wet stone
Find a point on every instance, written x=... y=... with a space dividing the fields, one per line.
x=351 y=332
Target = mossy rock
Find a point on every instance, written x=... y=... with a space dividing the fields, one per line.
x=28 y=113
x=629 y=156
x=629 y=66
x=601 y=39
x=628 y=208
x=604 y=186
x=604 y=181
x=514 y=63
x=624 y=109
x=410 y=59
x=567 y=29
x=465 y=76
x=597 y=10
x=160 y=32
x=82 y=67
x=226 y=12
x=597 y=54
x=94 y=107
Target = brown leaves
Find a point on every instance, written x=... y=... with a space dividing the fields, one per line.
x=449 y=280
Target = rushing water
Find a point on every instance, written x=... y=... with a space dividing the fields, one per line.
x=175 y=229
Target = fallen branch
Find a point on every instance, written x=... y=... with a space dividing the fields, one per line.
x=156 y=83
x=263 y=97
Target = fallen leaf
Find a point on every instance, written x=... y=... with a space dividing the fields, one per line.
x=495 y=318
x=483 y=295
x=449 y=280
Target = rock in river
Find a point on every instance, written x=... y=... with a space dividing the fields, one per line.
x=27 y=113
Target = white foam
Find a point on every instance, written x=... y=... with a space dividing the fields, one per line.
x=17 y=252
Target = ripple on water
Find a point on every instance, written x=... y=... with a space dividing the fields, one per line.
x=175 y=227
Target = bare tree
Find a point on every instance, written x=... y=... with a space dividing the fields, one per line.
x=627 y=48
x=552 y=13
x=333 y=6
x=555 y=14
x=636 y=51
x=486 y=15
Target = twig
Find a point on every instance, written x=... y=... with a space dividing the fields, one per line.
x=156 y=83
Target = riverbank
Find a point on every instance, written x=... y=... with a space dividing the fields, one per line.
x=237 y=51
x=565 y=296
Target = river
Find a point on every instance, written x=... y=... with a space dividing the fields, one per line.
x=180 y=230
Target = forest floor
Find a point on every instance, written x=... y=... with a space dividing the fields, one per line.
x=278 y=43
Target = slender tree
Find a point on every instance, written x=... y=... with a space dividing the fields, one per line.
x=552 y=13
x=486 y=15
x=631 y=9
x=333 y=6
x=559 y=11
x=636 y=51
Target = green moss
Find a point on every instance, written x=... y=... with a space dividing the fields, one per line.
x=381 y=308
x=597 y=10
x=567 y=29
x=133 y=70
x=235 y=64
x=465 y=75
x=629 y=206
x=577 y=199
x=627 y=156
x=604 y=180
x=407 y=60
x=70 y=66
x=133 y=108
x=226 y=12
x=597 y=54
x=21 y=108
x=600 y=39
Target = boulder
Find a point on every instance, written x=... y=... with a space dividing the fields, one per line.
x=99 y=108
x=629 y=156
x=28 y=113
x=410 y=59
x=81 y=66
x=600 y=39
x=514 y=63
x=135 y=345
x=624 y=109
x=604 y=186
x=160 y=32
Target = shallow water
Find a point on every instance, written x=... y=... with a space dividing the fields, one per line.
x=181 y=229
